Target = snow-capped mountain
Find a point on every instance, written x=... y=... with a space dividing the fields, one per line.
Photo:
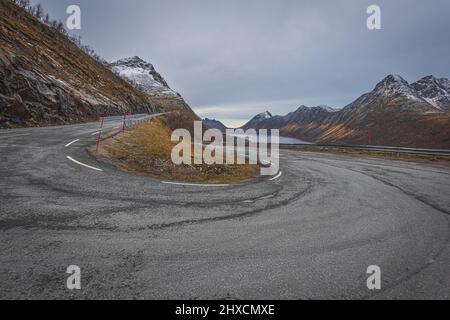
x=303 y=113
x=393 y=93
x=435 y=91
x=143 y=75
x=259 y=121
x=263 y=116
x=325 y=107
x=394 y=85
x=395 y=112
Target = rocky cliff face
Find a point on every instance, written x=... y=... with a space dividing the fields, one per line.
x=45 y=79
x=395 y=112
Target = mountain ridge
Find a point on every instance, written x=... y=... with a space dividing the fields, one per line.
x=214 y=124
x=394 y=112
x=435 y=91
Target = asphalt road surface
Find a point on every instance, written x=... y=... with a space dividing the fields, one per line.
x=310 y=233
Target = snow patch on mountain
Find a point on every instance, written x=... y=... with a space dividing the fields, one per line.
x=263 y=116
x=326 y=108
x=435 y=91
x=143 y=75
x=266 y=115
x=395 y=85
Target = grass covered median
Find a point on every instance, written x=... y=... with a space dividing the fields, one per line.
x=146 y=150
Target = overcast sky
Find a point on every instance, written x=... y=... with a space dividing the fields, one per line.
x=233 y=59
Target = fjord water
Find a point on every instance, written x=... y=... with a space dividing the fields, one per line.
x=283 y=140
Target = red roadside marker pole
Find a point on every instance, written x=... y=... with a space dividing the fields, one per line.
x=99 y=135
x=369 y=137
x=123 y=121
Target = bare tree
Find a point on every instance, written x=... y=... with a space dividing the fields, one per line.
x=23 y=3
x=60 y=27
x=38 y=11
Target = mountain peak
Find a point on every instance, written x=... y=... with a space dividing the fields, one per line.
x=429 y=78
x=325 y=107
x=257 y=120
x=264 y=115
x=143 y=74
x=393 y=79
x=444 y=82
x=394 y=86
x=319 y=108
x=135 y=58
x=214 y=124
x=135 y=62
x=302 y=108
x=435 y=91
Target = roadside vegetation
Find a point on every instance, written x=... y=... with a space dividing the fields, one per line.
x=146 y=150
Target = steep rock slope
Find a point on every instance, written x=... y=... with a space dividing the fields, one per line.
x=45 y=79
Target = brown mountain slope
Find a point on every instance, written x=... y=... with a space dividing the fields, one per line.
x=394 y=113
x=388 y=127
x=46 y=79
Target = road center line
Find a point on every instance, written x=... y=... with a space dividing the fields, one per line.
x=82 y=164
x=277 y=176
x=71 y=143
x=195 y=184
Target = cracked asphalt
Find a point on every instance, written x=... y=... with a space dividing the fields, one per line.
x=311 y=234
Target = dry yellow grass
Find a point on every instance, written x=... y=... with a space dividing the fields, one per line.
x=146 y=150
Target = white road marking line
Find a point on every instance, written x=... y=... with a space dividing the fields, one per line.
x=82 y=164
x=93 y=134
x=266 y=162
x=195 y=184
x=277 y=176
x=263 y=161
x=71 y=143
